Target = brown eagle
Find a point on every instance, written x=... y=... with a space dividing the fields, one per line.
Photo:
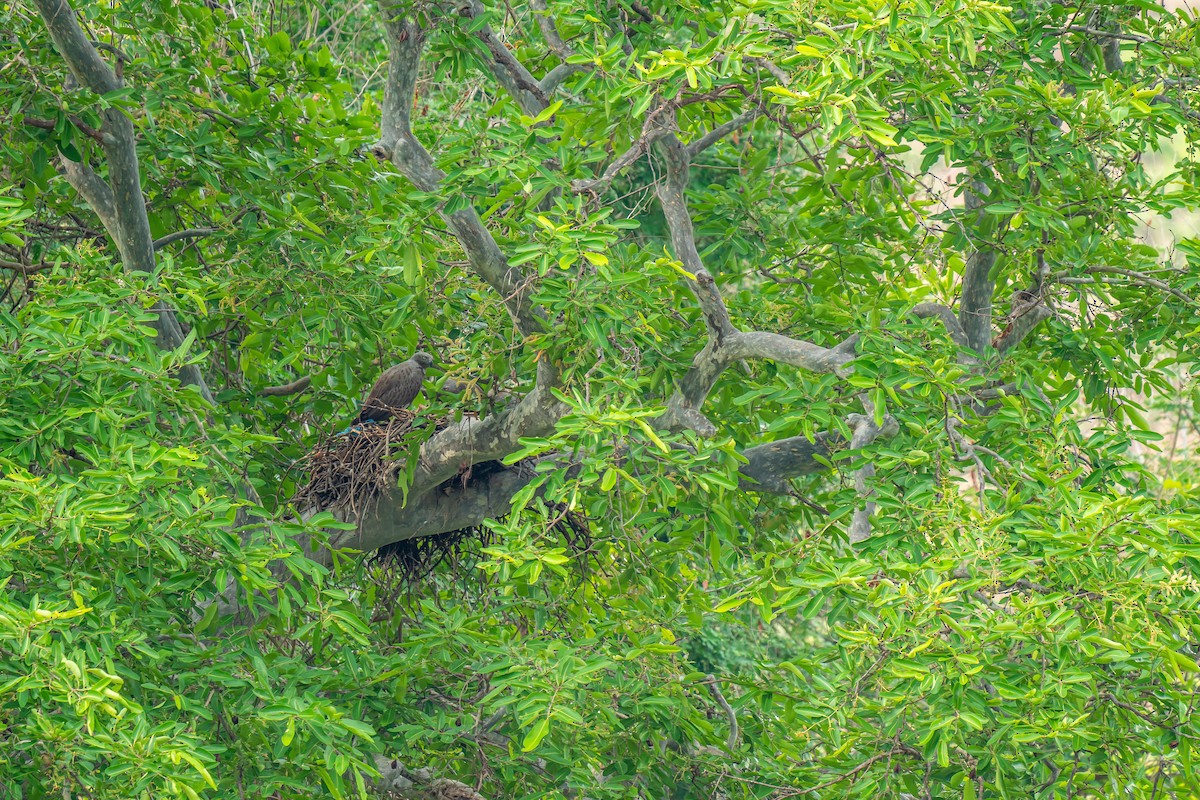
x=395 y=389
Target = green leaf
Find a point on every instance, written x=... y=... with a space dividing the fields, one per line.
x=535 y=735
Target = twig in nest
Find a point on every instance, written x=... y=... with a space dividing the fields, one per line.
x=350 y=471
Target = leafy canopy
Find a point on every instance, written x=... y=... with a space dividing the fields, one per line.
x=962 y=187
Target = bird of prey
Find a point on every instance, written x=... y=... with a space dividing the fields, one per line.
x=395 y=389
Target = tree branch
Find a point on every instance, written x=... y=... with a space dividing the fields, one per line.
x=554 y=78
x=721 y=131
x=119 y=203
x=672 y=198
x=1023 y=321
x=975 y=308
x=434 y=512
x=511 y=73
x=191 y=233
x=714 y=688
x=93 y=190
x=928 y=310
x=401 y=147
x=295 y=387
x=49 y=125
x=1138 y=278
x=650 y=134
x=726 y=343
x=550 y=33
x=1101 y=34
x=25 y=269
x=770 y=66
x=396 y=780
x=81 y=56
x=865 y=432
x=768 y=469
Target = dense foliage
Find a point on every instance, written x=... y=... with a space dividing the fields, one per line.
x=969 y=580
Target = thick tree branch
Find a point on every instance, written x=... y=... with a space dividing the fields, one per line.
x=672 y=198
x=1024 y=320
x=928 y=310
x=460 y=506
x=510 y=72
x=769 y=468
x=978 y=287
x=865 y=431
x=550 y=33
x=785 y=350
x=726 y=343
x=554 y=78
x=396 y=780
x=81 y=56
x=119 y=203
x=93 y=190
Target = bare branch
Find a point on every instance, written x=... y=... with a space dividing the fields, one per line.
x=1102 y=34
x=49 y=125
x=1138 y=278
x=770 y=66
x=295 y=387
x=650 y=134
x=726 y=345
x=850 y=776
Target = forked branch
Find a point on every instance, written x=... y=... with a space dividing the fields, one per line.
x=726 y=344
x=399 y=145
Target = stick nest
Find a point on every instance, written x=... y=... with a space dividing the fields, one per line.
x=351 y=471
